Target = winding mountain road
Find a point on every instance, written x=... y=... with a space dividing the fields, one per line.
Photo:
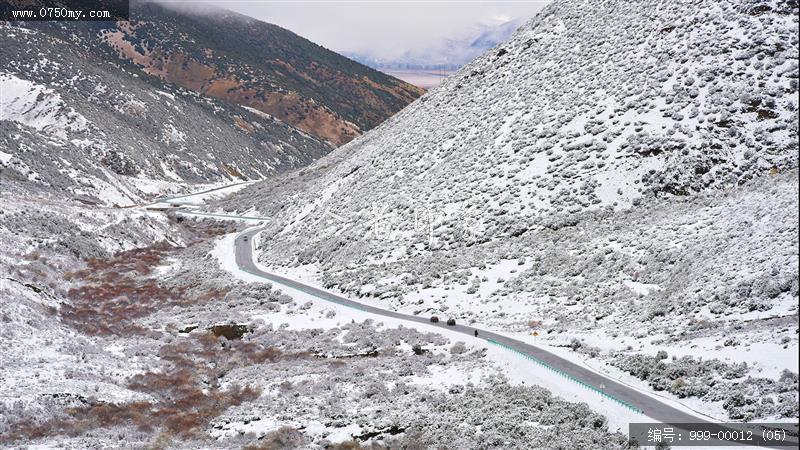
x=649 y=406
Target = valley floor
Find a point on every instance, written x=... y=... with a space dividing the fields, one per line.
x=174 y=345
x=162 y=346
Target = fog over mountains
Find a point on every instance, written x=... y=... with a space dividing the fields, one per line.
x=444 y=54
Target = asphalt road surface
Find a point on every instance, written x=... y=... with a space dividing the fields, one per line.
x=650 y=407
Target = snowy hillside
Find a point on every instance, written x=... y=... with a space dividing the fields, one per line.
x=572 y=115
x=622 y=173
x=77 y=124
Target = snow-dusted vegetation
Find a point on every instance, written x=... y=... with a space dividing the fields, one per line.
x=623 y=174
x=79 y=123
x=617 y=184
x=161 y=347
x=743 y=397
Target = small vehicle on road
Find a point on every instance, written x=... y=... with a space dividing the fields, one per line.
x=435 y=319
x=245 y=238
x=451 y=322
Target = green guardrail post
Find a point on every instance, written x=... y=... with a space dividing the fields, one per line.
x=569 y=377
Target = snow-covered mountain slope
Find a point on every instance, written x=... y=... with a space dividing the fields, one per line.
x=589 y=106
x=78 y=124
x=619 y=172
x=239 y=60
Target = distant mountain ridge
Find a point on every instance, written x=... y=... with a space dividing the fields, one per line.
x=242 y=60
x=174 y=97
x=445 y=54
x=74 y=123
x=238 y=59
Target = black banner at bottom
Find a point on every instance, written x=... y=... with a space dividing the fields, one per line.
x=714 y=434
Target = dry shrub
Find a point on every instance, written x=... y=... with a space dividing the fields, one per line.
x=201 y=229
x=140 y=260
x=113 y=292
x=186 y=391
x=188 y=387
x=184 y=417
x=207 y=347
x=355 y=445
x=76 y=421
x=336 y=363
x=285 y=437
x=33 y=256
x=346 y=445
x=162 y=442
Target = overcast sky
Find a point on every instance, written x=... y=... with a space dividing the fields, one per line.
x=378 y=27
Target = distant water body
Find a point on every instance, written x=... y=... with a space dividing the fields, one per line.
x=425 y=79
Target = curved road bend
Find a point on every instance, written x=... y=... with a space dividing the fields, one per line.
x=651 y=407
x=170 y=198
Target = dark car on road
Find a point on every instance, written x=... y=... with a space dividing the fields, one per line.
x=451 y=322
x=434 y=319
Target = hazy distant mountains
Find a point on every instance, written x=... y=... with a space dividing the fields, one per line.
x=447 y=54
x=174 y=96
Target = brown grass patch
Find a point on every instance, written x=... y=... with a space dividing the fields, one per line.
x=107 y=297
x=112 y=293
x=185 y=417
x=186 y=390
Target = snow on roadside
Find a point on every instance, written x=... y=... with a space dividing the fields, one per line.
x=759 y=355
x=517 y=369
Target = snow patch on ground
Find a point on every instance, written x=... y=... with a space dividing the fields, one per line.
x=38 y=107
x=516 y=368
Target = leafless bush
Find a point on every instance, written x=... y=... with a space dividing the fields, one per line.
x=111 y=293
x=285 y=437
